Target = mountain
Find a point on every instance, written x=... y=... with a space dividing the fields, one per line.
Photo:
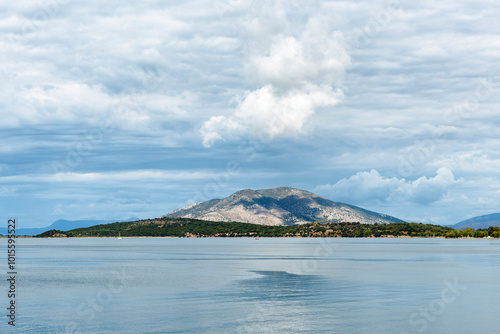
x=479 y=222
x=62 y=225
x=279 y=206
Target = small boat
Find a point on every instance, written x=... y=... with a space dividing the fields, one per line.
x=256 y=238
x=119 y=235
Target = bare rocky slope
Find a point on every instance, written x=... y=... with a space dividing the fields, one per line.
x=279 y=206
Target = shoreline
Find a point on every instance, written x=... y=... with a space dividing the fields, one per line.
x=251 y=237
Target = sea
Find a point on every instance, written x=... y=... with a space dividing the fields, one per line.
x=247 y=285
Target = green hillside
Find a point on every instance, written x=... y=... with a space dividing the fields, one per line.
x=186 y=227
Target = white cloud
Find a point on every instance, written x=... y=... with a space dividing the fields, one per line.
x=120 y=176
x=264 y=113
x=295 y=66
x=369 y=187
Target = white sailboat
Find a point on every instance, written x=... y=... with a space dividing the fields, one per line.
x=119 y=235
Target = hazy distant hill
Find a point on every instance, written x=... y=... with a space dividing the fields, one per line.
x=480 y=222
x=279 y=206
x=62 y=225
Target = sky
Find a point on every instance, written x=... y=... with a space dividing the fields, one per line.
x=119 y=109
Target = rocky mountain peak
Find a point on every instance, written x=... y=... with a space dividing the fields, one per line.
x=279 y=206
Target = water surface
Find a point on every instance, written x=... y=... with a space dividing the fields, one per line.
x=271 y=285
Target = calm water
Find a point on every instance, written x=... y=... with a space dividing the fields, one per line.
x=256 y=286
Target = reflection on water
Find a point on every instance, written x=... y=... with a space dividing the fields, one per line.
x=278 y=301
x=272 y=285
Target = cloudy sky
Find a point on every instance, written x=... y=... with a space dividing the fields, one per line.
x=120 y=109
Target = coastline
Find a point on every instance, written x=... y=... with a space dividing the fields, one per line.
x=250 y=237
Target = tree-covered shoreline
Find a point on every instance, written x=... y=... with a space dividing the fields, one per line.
x=185 y=227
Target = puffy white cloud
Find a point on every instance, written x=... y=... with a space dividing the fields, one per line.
x=369 y=187
x=266 y=114
x=295 y=65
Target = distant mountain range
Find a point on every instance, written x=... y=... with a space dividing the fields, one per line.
x=62 y=225
x=479 y=222
x=279 y=206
